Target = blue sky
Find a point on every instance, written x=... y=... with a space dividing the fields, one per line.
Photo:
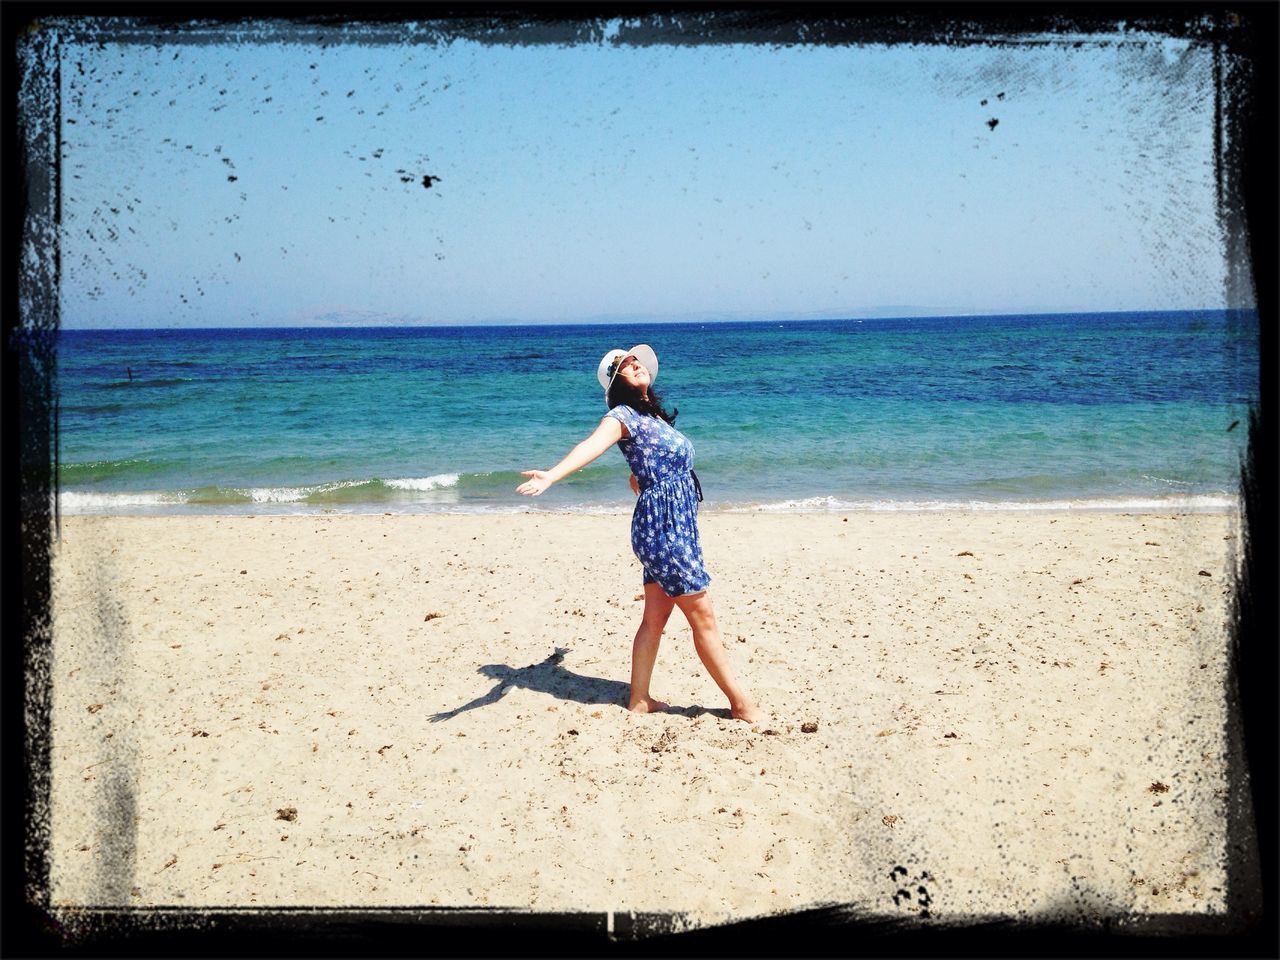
x=597 y=182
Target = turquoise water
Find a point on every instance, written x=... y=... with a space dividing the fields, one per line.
x=1109 y=411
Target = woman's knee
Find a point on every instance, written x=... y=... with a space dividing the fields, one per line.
x=656 y=619
x=657 y=608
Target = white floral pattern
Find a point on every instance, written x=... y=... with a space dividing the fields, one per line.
x=664 y=526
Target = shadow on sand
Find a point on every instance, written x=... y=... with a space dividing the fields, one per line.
x=552 y=678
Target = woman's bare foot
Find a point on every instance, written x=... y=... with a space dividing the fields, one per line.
x=648 y=705
x=747 y=711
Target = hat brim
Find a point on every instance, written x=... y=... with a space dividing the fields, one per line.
x=641 y=351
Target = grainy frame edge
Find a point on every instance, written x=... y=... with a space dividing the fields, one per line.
x=31 y=327
x=33 y=345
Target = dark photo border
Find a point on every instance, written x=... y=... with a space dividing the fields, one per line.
x=1244 y=37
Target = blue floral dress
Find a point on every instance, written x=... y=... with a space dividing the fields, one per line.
x=664 y=526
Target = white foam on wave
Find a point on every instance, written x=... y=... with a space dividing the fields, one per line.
x=293 y=494
x=437 y=482
x=275 y=494
x=71 y=501
x=294 y=500
x=1191 y=504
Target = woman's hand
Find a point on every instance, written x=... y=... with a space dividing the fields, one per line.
x=606 y=435
x=635 y=485
x=538 y=481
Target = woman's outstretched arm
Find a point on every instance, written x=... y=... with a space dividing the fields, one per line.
x=605 y=436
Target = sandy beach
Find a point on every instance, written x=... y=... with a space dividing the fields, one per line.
x=1023 y=711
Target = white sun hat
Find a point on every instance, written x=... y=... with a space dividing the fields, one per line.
x=612 y=360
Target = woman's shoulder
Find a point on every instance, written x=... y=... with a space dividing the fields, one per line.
x=625 y=411
x=627 y=416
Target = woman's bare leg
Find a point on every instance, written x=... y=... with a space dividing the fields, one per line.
x=644 y=651
x=706 y=640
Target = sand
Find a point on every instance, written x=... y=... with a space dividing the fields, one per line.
x=1017 y=714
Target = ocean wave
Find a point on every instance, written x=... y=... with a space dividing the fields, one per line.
x=339 y=491
x=436 y=482
x=319 y=492
x=1193 y=504
x=275 y=494
x=347 y=491
x=373 y=492
x=1166 y=480
x=74 y=501
x=330 y=499
x=95 y=470
x=99 y=464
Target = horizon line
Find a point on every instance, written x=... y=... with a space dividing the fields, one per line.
x=655 y=322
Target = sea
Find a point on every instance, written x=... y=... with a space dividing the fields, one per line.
x=1101 y=411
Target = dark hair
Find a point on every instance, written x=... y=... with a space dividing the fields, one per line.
x=621 y=392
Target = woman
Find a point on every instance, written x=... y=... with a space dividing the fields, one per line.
x=664 y=526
